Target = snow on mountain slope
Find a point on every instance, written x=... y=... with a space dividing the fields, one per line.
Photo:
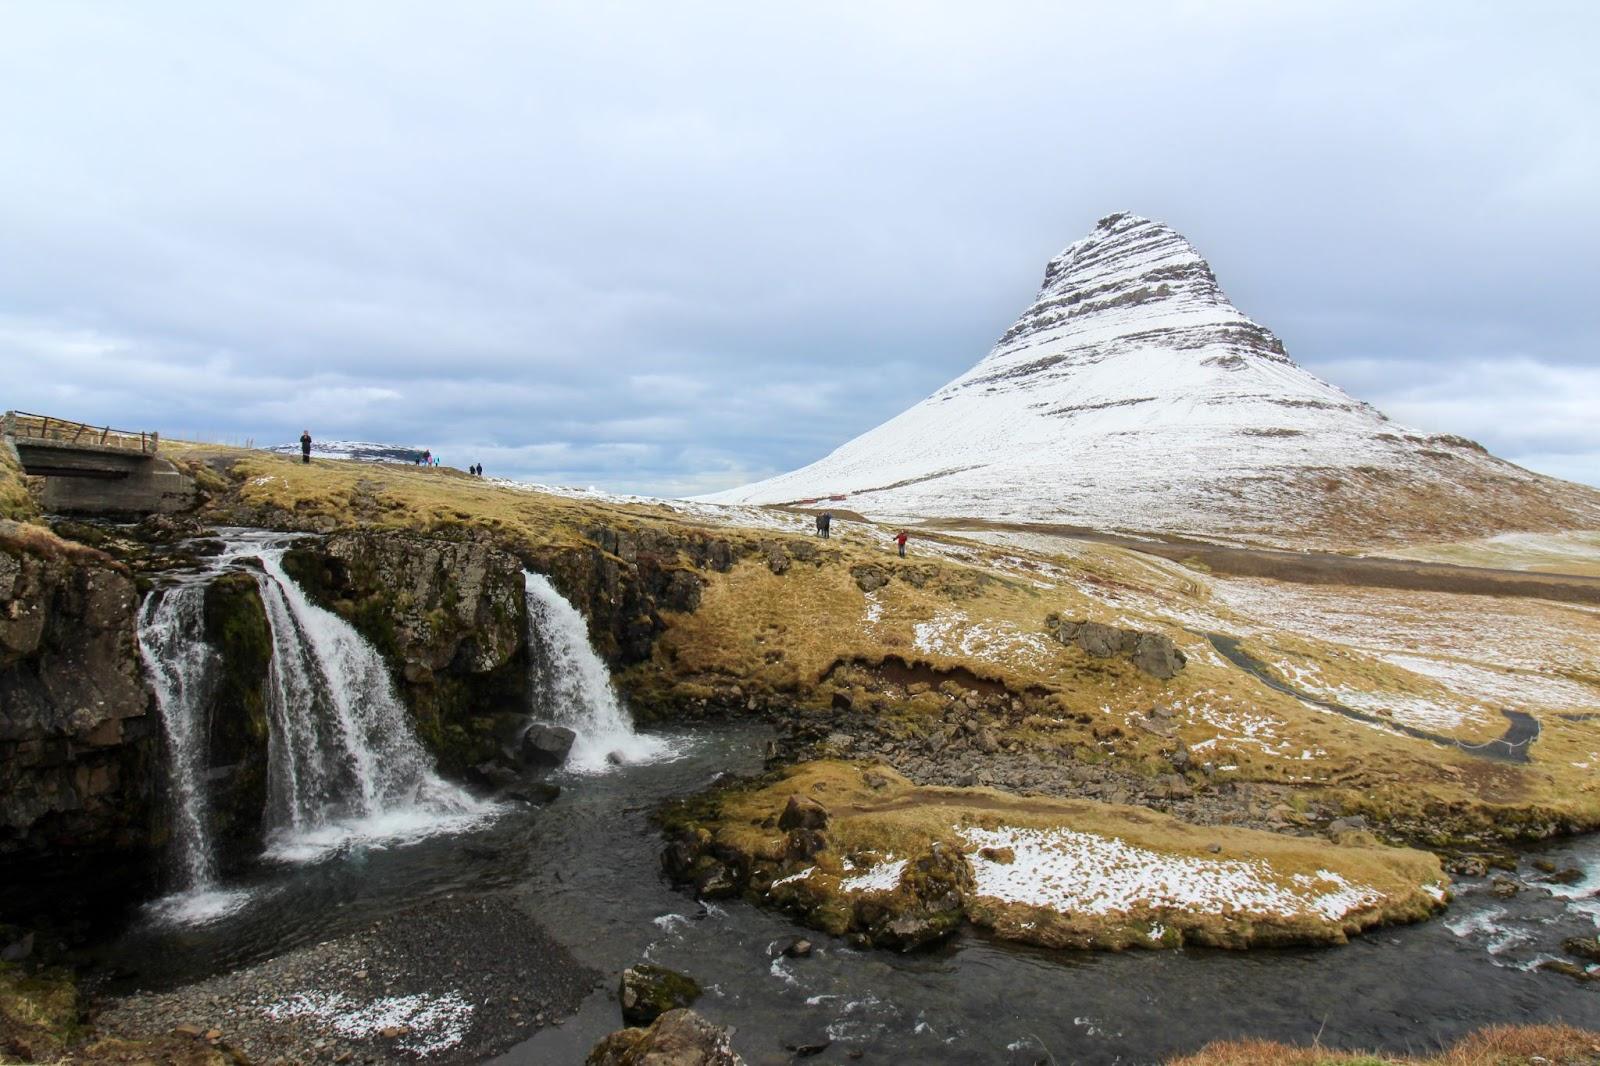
x=1132 y=395
x=361 y=451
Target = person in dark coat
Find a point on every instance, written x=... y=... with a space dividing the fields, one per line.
x=305 y=445
x=825 y=523
x=900 y=539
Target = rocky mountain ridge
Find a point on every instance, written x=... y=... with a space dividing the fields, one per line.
x=1132 y=395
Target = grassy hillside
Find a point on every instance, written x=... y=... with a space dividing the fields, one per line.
x=842 y=631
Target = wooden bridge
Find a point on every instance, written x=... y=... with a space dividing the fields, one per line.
x=96 y=469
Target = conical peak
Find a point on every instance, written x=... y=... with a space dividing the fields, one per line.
x=1126 y=246
x=1130 y=275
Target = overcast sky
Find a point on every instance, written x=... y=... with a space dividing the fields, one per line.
x=676 y=247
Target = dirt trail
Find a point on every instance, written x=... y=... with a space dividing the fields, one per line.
x=1319 y=568
x=1522 y=729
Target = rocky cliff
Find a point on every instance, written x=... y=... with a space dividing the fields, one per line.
x=1132 y=395
x=450 y=618
x=78 y=738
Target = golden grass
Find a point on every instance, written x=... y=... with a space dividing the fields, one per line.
x=16 y=502
x=1500 y=1045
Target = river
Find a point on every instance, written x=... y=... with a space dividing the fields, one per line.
x=587 y=866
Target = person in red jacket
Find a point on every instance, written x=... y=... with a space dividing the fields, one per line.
x=900 y=539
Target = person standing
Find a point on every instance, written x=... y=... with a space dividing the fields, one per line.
x=825 y=523
x=900 y=539
x=305 y=445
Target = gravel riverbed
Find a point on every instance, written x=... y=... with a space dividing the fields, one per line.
x=453 y=980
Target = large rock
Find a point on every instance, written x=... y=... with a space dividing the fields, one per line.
x=547 y=745
x=78 y=736
x=1157 y=656
x=647 y=991
x=1153 y=653
x=924 y=908
x=803 y=812
x=677 y=1038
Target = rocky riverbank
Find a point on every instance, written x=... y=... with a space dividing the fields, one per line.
x=454 y=980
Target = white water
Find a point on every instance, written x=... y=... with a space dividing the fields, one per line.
x=181 y=667
x=344 y=765
x=571 y=687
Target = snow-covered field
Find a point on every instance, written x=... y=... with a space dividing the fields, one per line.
x=1497 y=651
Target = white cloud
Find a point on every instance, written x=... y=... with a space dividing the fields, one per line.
x=651 y=246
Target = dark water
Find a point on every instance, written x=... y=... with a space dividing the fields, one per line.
x=587 y=865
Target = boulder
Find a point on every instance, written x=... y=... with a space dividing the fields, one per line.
x=803 y=812
x=1101 y=641
x=1585 y=947
x=546 y=745
x=677 y=1038
x=1153 y=653
x=648 y=991
x=1157 y=656
x=869 y=578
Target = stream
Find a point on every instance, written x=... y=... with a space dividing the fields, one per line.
x=587 y=867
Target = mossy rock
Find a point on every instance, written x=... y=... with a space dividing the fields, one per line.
x=236 y=625
x=38 y=1013
x=648 y=991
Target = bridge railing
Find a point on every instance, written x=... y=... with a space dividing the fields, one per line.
x=24 y=425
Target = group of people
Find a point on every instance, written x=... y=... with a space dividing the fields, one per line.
x=476 y=469
x=427 y=458
x=825 y=527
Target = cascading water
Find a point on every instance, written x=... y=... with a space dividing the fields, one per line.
x=181 y=667
x=571 y=687
x=180 y=664
x=344 y=764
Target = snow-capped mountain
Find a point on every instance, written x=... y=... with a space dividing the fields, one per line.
x=1132 y=395
x=362 y=451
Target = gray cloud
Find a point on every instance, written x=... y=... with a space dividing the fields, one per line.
x=674 y=248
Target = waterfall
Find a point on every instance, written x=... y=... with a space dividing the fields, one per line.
x=182 y=671
x=181 y=666
x=344 y=764
x=571 y=687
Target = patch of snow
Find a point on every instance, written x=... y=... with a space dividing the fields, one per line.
x=1086 y=873
x=883 y=877
x=430 y=1023
x=801 y=876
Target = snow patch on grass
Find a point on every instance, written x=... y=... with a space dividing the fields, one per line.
x=880 y=878
x=1075 y=872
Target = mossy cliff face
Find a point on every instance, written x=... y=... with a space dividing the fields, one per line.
x=449 y=616
x=236 y=626
x=624 y=578
x=78 y=737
